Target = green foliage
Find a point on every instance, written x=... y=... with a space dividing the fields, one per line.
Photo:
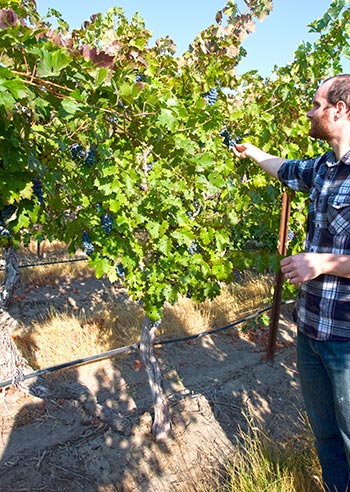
x=148 y=145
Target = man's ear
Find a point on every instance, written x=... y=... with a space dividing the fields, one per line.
x=342 y=108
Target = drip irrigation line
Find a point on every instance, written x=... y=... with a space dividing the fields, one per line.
x=54 y=262
x=111 y=353
x=44 y=263
x=215 y=330
x=65 y=365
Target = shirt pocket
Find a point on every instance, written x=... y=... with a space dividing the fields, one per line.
x=338 y=214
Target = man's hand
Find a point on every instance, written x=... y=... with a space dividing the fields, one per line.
x=270 y=163
x=306 y=266
x=302 y=267
x=244 y=150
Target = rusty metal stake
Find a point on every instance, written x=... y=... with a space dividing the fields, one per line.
x=277 y=295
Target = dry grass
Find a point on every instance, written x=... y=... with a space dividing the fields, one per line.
x=263 y=465
x=48 y=274
x=68 y=336
x=234 y=302
x=113 y=324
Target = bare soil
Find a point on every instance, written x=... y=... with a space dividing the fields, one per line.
x=91 y=431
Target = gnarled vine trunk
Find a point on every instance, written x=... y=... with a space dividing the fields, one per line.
x=161 y=422
x=11 y=277
x=12 y=365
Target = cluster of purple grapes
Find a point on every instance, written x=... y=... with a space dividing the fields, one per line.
x=5 y=214
x=4 y=232
x=113 y=119
x=107 y=222
x=90 y=157
x=38 y=190
x=140 y=77
x=120 y=270
x=193 y=248
x=197 y=208
x=88 y=247
x=211 y=96
x=229 y=139
x=290 y=235
x=77 y=152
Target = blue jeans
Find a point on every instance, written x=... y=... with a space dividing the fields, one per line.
x=324 y=370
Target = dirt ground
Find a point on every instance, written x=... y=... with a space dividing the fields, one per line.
x=92 y=430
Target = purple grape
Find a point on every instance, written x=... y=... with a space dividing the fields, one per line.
x=87 y=244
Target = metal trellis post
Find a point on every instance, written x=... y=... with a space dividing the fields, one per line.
x=277 y=295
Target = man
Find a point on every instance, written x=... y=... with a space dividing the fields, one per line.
x=323 y=272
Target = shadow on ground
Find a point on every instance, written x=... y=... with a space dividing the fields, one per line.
x=92 y=431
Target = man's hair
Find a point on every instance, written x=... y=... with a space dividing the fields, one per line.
x=339 y=90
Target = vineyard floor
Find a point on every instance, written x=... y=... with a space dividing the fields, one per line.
x=92 y=430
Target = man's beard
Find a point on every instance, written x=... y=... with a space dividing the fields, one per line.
x=319 y=130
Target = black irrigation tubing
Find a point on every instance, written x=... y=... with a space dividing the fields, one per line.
x=56 y=262
x=111 y=353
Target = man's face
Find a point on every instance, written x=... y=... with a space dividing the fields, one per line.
x=321 y=115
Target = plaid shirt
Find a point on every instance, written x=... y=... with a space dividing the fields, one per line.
x=323 y=306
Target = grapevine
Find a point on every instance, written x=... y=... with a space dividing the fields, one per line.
x=103 y=117
x=160 y=149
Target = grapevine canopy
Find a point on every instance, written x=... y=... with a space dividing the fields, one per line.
x=117 y=147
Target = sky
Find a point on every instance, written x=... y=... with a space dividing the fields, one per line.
x=273 y=42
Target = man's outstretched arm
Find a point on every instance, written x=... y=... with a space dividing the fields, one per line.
x=269 y=163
